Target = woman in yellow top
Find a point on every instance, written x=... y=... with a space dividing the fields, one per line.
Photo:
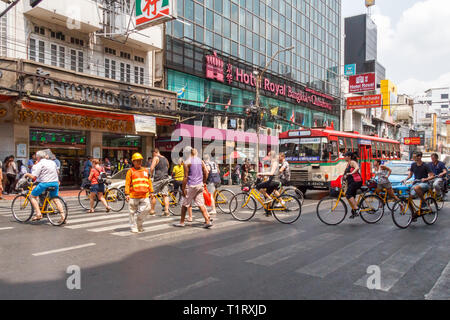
x=178 y=175
x=138 y=188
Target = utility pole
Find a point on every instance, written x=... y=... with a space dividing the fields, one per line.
x=259 y=76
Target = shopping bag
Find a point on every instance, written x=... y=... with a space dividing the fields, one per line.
x=207 y=197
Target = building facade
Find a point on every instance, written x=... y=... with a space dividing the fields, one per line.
x=215 y=47
x=73 y=81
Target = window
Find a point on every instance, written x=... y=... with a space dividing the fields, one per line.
x=334 y=152
x=73 y=60
x=348 y=144
x=53 y=54
x=41 y=51
x=110 y=51
x=80 y=61
x=355 y=145
x=341 y=147
x=445 y=106
x=374 y=149
x=125 y=55
x=139 y=59
x=107 y=68
x=444 y=96
x=128 y=73
x=138 y=75
x=62 y=57
x=32 y=54
x=122 y=72
x=3 y=35
x=113 y=69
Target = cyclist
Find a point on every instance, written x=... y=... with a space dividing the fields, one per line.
x=423 y=173
x=354 y=181
x=45 y=173
x=383 y=173
x=285 y=171
x=439 y=170
x=273 y=182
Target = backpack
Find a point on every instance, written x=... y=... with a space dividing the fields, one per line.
x=213 y=176
x=101 y=177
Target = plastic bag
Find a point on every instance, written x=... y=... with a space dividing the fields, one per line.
x=207 y=197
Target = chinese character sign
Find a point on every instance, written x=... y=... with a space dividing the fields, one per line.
x=153 y=12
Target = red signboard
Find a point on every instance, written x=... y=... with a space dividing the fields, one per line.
x=362 y=82
x=412 y=141
x=364 y=102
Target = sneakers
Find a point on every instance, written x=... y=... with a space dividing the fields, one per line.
x=140 y=230
x=179 y=225
x=166 y=214
x=213 y=212
x=355 y=213
x=133 y=230
x=207 y=225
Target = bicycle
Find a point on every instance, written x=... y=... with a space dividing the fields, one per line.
x=400 y=215
x=173 y=200
x=22 y=210
x=383 y=194
x=332 y=211
x=114 y=197
x=285 y=208
x=441 y=198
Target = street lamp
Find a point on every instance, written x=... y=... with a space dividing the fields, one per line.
x=259 y=76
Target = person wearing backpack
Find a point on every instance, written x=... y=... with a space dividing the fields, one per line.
x=213 y=181
x=97 y=177
x=138 y=189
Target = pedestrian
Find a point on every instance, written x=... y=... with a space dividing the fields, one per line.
x=126 y=164
x=107 y=166
x=87 y=167
x=149 y=162
x=138 y=189
x=97 y=177
x=213 y=180
x=11 y=174
x=178 y=176
x=245 y=171
x=22 y=170
x=31 y=162
x=160 y=169
x=194 y=182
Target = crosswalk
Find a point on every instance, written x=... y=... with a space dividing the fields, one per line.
x=272 y=247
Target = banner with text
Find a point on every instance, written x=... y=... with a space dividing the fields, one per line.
x=364 y=102
x=362 y=82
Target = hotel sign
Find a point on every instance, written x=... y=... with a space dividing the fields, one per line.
x=153 y=12
x=215 y=68
x=362 y=82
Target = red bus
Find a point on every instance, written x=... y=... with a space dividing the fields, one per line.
x=316 y=155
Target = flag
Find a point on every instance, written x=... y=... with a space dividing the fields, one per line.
x=180 y=93
x=292 y=119
x=274 y=111
x=206 y=102
x=228 y=105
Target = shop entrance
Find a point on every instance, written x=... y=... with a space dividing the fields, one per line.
x=68 y=146
x=116 y=147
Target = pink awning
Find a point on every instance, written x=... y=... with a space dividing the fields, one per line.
x=187 y=130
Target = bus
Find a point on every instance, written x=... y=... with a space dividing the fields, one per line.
x=316 y=155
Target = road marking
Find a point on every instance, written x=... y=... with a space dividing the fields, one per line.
x=95 y=218
x=178 y=292
x=340 y=258
x=6 y=228
x=441 y=289
x=94 y=224
x=117 y=226
x=396 y=266
x=277 y=256
x=146 y=230
x=188 y=230
x=253 y=243
x=64 y=249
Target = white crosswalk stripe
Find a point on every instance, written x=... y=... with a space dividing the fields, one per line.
x=441 y=289
x=397 y=265
x=338 y=259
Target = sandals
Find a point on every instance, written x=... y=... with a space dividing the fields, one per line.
x=108 y=209
x=90 y=211
x=37 y=218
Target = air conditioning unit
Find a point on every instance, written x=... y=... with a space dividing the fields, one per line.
x=240 y=124
x=220 y=122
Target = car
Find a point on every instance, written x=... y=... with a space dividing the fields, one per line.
x=118 y=180
x=400 y=171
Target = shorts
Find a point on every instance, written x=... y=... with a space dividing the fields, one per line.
x=96 y=188
x=270 y=186
x=212 y=187
x=424 y=186
x=386 y=185
x=352 y=189
x=194 y=193
x=42 y=187
x=161 y=186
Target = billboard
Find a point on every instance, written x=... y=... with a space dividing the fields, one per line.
x=364 y=102
x=370 y=3
x=153 y=12
x=362 y=82
x=412 y=141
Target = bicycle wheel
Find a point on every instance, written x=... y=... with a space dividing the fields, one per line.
x=286 y=208
x=440 y=200
x=401 y=215
x=21 y=208
x=174 y=204
x=330 y=211
x=430 y=217
x=223 y=198
x=371 y=208
x=84 y=199
x=54 y=214
x=242 y=206
x=115 y=199
x=295 y=192
x=390 y=203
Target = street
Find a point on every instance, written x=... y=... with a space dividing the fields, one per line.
x=259 y=259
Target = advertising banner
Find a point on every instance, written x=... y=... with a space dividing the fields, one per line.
x=153 y=12
x=362 y=82
x=412 y=141
x=145 y=124
x=364 y=102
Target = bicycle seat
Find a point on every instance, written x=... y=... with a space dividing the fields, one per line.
x=51 y=189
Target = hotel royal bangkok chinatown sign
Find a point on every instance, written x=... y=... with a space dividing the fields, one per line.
x=215 y=68
x=153 y=12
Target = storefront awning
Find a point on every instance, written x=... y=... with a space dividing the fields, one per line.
x=205 y=133
x=6 y=98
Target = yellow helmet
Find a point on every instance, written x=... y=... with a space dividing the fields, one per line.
x=137 y=156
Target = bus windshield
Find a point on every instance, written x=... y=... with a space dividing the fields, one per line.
x=305 y=149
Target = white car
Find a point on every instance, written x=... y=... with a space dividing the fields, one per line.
x=118 y=180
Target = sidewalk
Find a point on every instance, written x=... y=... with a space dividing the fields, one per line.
x=63 y=194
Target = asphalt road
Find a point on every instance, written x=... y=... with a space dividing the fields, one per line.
x=259 y=259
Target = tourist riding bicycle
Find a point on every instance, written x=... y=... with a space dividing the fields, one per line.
x=439 y=170
x=45 y=172
x=285 y=171
x=354 y=181
x=382 y=173
x=421 y=173
x=273 y=182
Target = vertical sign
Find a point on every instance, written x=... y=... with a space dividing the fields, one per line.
x=350 y=69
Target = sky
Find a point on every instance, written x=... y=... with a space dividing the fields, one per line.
x=413 y=41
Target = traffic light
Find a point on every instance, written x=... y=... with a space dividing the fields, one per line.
x=34 y=3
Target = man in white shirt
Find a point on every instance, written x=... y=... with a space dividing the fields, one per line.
x=45 y=172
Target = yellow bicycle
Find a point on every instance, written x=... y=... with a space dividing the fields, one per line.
x=22 y=210
x=332 y=211
x=285 y=208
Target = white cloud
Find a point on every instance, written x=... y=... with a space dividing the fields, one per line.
x=416 y=49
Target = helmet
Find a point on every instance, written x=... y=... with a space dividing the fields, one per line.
x=137 y=156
